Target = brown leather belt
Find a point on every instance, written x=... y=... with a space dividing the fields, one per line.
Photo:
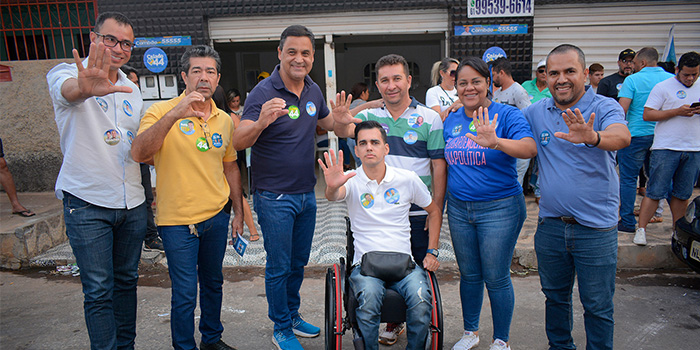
x=569 y=220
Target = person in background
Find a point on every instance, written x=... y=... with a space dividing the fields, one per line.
x=233 y=98
x=442 y=97
x=9 y=185
x=610 y=86
x=537 y=88
x=485 y=203
x=595 y=75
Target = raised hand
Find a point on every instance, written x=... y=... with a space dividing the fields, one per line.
x=184 y=107
x=272 y=110
x=333 y=170
x=579 y=130
x=93 y=80
x=485 y=129
x=341 y=109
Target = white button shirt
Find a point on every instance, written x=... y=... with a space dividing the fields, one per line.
x=96 y=136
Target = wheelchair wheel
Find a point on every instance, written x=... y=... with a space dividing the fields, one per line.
x=436 y=321
x=334 y=310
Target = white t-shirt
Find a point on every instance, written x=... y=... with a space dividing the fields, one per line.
x=678 y=133
x=515 y=96
x=379 y=212
x=437 y=96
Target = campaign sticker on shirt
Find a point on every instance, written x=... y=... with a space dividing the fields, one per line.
x=457 y=130
x=293 y=112
x=545 y=137
x=391 y=196
x=103 y=104
x=126 y=106
x=410 y=137
x=415 y=120
x=130 y=136
x=531 y=97
x=385 y=127
x=681 y=94
x=367 y=200
x=618 y=86
x=472 y=127
x=187 y=126
x=310 y=108
x=202 y=144
x=216 y=140
x=112 y=137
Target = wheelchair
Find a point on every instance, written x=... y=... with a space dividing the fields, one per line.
x=339 y=297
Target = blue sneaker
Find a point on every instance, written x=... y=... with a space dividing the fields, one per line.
x=304 y=329
x=285 y=341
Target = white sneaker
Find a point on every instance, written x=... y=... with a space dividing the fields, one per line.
x=469 y=340
x=499 y=345
x=640 y=237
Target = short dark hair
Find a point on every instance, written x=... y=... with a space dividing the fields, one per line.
x=390 y=60
x=231 y=94
x=595 y=67
x=127 y=69
x=564 y=48
x=199 y=51
x=370 y=124
x=502 y=64
x=477 y=64
x=297 y=30
x=358 y=89
x=118 y=17
x=648 y=54
x=689 y=59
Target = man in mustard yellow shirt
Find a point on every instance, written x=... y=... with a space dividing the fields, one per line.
x=189 y=140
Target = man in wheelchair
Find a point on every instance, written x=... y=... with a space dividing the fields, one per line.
x=378 y=198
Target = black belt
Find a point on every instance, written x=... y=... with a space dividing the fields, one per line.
x=569 y=220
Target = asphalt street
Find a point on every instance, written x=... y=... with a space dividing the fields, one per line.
x=42 y=310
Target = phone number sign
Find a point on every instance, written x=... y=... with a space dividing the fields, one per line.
x=499 y=8
x=163 y=41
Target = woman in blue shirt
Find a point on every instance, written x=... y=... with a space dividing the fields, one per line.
x=485 y=205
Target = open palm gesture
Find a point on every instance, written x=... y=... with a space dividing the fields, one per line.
x=333 y=170
x=485 y=129
x=341 y=109
x=579 y=130
x=93 y=80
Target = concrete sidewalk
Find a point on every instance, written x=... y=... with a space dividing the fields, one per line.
x=329 y=239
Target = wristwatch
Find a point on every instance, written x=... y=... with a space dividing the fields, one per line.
x=435 y=252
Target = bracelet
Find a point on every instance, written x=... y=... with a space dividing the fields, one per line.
x=498 y=141
x=597 y=142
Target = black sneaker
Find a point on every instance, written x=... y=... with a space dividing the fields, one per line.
x=623 y=228
x=154 y=244
x=220 y=345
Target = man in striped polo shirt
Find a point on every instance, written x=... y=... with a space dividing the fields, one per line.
x=415 y=143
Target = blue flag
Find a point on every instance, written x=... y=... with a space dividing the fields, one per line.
x=670 y=50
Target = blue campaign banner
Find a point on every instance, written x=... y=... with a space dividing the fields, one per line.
x=163 y=41
x=491 y=29
x=493 y=53
x=155 y=60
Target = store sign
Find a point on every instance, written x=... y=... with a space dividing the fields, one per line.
x=163 y=41
x=155 y=60
x=493 y=29
x=499 y=8
x=493 y=53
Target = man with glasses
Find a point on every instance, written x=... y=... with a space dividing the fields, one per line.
x=190 y=142
x=96 y=109
x=537 y=88
x=611 y=85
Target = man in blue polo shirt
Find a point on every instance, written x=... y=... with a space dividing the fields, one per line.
x=633 y=95
x=578 y=133
x=279 y=121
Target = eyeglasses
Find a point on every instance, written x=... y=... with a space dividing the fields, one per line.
x=112 y=41
x=541 y=70
x=453 y=73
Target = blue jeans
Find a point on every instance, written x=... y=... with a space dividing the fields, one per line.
x=107 y=247
x=369 y=292
x=566 y=252
x=191 y=258
x=287 y=222
x=630 y=160
x=484 y=236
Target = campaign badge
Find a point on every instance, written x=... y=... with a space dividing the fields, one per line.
x=293 y=112
x=619 y=86
x=410 y=137
x=310 y=108
x=216 y=140
x=112 y=137
x=545 y=137
x=415 y=120
x=128 y=110
x=103 y=104
x=385 y=127
x=130 y=136
x=187 y=127
x=681 y=94
x=202 y=144
x=531 y=97
x=391 y=196
x=367 y=200
x=472 y=127
x=457 y=130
